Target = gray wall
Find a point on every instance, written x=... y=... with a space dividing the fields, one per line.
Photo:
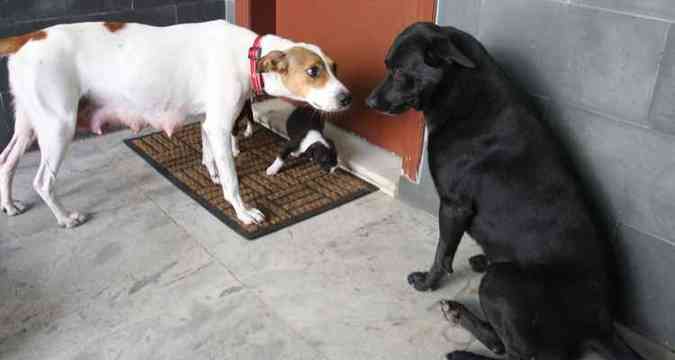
x=21 y=16
x=604 y=74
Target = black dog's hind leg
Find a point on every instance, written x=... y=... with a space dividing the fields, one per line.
x=458 y=314
x=289 y=148
x=453 y=217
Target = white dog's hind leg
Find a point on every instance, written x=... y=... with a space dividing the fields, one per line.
x=235 y=146
x=9 y=159
x=54 y=140
x=207 y=158
x=221 y=147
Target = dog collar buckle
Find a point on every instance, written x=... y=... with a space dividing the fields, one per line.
x=254 y=53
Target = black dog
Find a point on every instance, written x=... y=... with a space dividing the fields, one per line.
x=547 y=289
x=305 y=131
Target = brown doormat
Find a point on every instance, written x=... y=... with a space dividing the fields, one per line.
x=301 y=190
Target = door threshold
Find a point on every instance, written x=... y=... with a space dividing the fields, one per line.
x=365 y=160
x=356 y=155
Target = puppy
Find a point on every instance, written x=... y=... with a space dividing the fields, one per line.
x=89 y=74
x=547 y=290
x=305 y=131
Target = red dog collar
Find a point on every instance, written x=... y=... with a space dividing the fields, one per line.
x=257 y=83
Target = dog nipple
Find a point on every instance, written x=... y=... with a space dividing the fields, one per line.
x=168 y=130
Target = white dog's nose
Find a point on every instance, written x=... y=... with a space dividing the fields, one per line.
x=344 y=98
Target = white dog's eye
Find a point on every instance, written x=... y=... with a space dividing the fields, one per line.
x=313 y=71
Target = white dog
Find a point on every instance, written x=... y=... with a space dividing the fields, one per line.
x=85 y=75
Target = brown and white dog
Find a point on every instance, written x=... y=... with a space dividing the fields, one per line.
x=90 y=74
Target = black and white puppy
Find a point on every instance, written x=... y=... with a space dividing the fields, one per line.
x=547 y=290
x=305 y=131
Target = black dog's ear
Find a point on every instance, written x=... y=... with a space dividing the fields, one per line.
x=274 y=61
x=442 y=50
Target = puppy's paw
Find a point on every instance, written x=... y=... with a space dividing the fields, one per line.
x=275 y=167
x=272 y=170
x=251 y=216
x=420 y=281
x=451 y=311
x=235 y=152
x=74 y=219
x=14 y=209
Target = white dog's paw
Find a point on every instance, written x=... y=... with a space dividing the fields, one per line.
x=74 y=219
x=14 y=208
x=215 y=179
x=235 y=151
x=250 y=216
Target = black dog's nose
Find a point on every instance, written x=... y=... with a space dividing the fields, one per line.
x=345 y=99
x=371 y=102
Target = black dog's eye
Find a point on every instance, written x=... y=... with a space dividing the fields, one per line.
x=313 y=71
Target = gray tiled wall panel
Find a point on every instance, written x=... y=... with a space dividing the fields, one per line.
x=201 y=11
x=5 y=123
x=662 y=116
x=603 y=60
x=462 y=14
x=17 y=10
x=630 y=170
x=645 y=273
x=658 y=8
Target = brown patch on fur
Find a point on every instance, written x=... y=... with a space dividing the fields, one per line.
x=13 y=44
x=296 y=79
x=293 y=65
x=114 y=26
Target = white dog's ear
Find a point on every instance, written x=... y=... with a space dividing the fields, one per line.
x=274 y=61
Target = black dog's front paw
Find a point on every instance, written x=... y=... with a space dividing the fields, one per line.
x=421 y=281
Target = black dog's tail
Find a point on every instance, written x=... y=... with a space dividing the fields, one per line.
x=614 y=348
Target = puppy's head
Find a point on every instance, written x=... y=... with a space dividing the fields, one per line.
x=417 y=62
x=303 y=72
x=325 y=156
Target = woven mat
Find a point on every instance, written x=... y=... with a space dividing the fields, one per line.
x=301 y=190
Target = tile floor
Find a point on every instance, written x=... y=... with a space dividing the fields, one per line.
x=154 y=276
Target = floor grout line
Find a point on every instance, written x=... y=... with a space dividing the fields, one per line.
x=215 y=258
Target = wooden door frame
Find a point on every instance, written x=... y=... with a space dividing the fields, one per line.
x=260 y=16
x=257 y=15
